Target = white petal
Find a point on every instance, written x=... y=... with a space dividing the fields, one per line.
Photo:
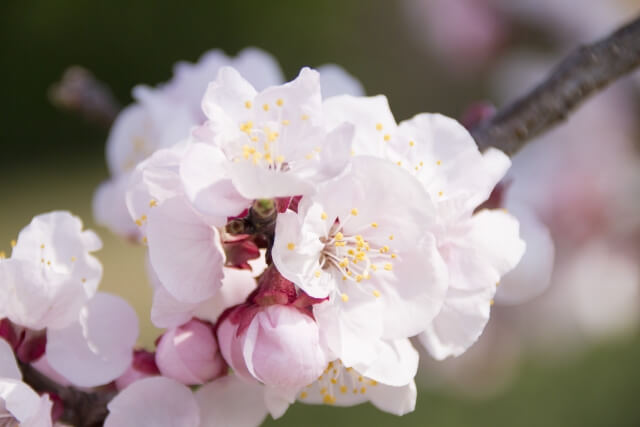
x=110 y=206
x=229 y=401
x=255 y=182
x=532 y=275
x=98 y=347
x=155 y=401
x=396 y=363
x=185 y=251
x=452 y=167
x=8 y=366
x=395 y=400
x=207 y=183
x=370 y=115
x=24 y=404
x=223 y=102
x=335 y=80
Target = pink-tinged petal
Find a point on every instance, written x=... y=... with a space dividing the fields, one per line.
x=156 y=401
x=370 y=115
x=254 y=182
x=335 y=80
x=44 y=367
x=110 y=207
x=229 y=401
x=185 y=251
x=8 y=365
x=189 y=354
x=396 y=363
x=532 y=276
x=98 y=347
x=24 y=404
x=206 y=181
x=167 y=311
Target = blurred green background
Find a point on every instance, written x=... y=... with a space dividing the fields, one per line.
x=54 y=160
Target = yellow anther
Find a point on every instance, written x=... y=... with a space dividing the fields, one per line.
x=309 y=156
x=323 y=215
x=73 y=259
x=360 y=256
x=359 y=278
x=391 y=237
x=303 y=395
x=266 y=146
x=48 y=262
x=373 y=382
x=376 y=293
x=143 y=218
x=343 y=389
x=329 y=399
x=334 y=381
x=345 y=297
x=344 y=277
x=440 y=193
x=344 y=262
x=42 y=260
x=339 y=236
x=153 y=203
x=351 y=252
x=355 y=391
x=84 y=280
x=417 y=168
x=291 y=246
x=363 y=390
x=3 y=254
x=247 y=104
x=285 y=122
x=340 y=243
x=374 y=267
x=139 y=222
x=374 y=224
x=272 y=136
x=254 y=138
x=305 y=117
x=387 y=137
x=384 y=249
x=323 y=390
x=280 y=159
x=145 y=240
x=491 y=302
x=317 y=273
x=378 y=126
x=411 y=143
x=359 y=238
x=388 y=266
x=421 y=163
x=360 y=378
x=246 y=126
x=394 y=256
x=354 y=211
x=265 y=107
x=399 y=163
x=42 y=246
x=13 y=243
x=256 y=157
x=279 y=102
x=438 y=163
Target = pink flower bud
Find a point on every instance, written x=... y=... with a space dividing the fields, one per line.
x=278 y=345
x=189 y=354
x=142 y=366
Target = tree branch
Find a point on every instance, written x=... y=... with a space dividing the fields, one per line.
x=81 y=408
x=584 y=72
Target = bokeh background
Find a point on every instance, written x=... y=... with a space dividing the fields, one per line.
x=52 y=159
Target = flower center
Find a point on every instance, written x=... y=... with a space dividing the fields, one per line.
x=337 y=380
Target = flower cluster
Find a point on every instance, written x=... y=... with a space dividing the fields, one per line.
x=298 y=238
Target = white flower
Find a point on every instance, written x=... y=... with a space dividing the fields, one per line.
x=18 y=402
x=275 y=141
x=360 y=241
x=478 y=249
x=51 y=273
x=162 y=116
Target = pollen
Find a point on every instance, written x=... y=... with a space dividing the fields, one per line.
x=73 y=259
x=265 y=107
x=363 y=390
x=84 y=280
x=387 y=137
x=13 y=243
x=323 y=215
x=491 y=302
x=374 y=224
x=303 y=395
x=279 y=102
x=440 y=193
x=3 y=254
x=345 y=297
x=285 y=122
x=438 y=163
x=247 y=104
x=291 y=246
x=339 y=236
x=318 y=273
x=399 y=163
x=411 y=143
x=246 y=126
x=391 y=237
x=42 y=246
x=354 y=211
x=379 y=126
x=329 y=399
x=376 y=293
x=153 y=203
x=280 y=159
x=388 y=266
x=343 y=389
x=305 y=117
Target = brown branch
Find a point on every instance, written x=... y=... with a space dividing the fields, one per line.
x=81 y=408
x=584 y=72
